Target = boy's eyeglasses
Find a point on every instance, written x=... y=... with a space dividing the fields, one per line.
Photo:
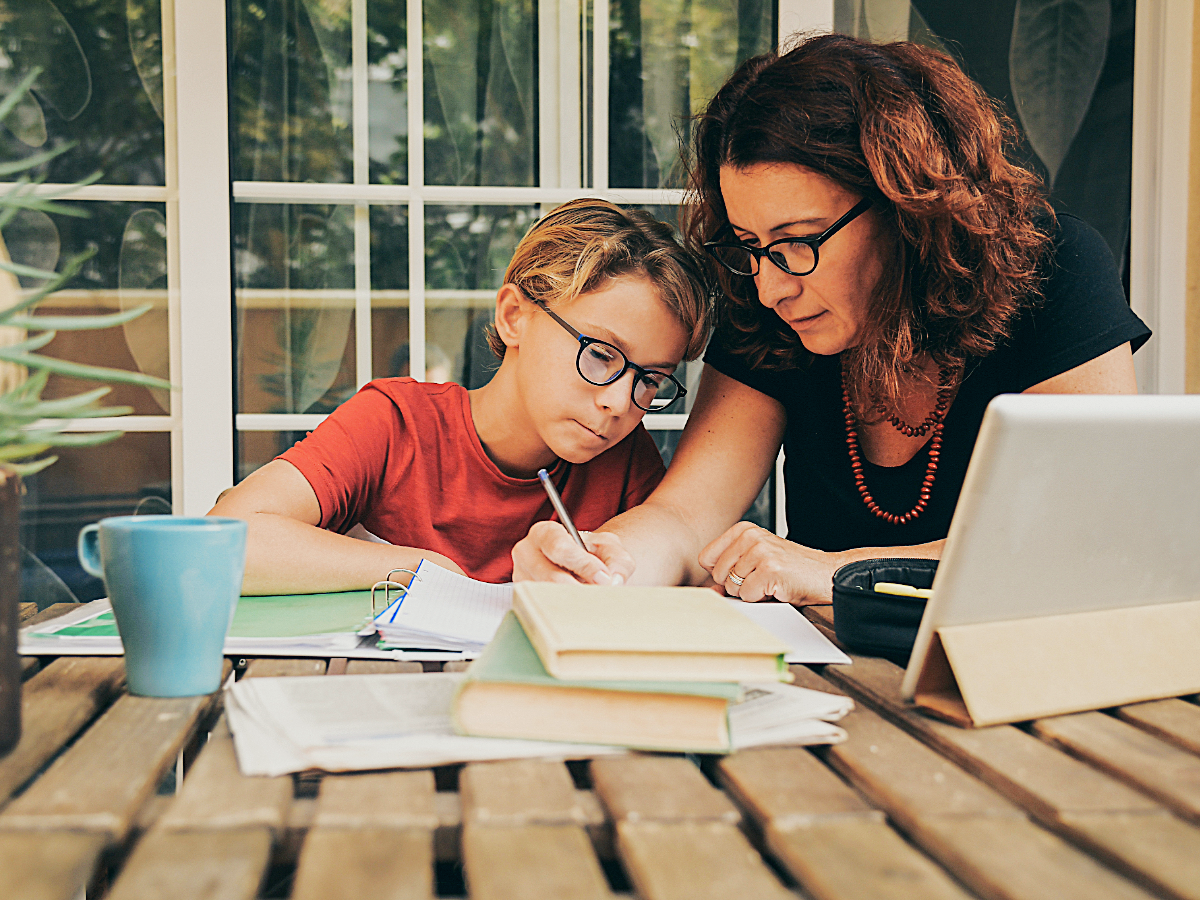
x=793 y=255
x=601 y=363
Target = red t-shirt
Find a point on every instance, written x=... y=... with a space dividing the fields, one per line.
x=402 y=459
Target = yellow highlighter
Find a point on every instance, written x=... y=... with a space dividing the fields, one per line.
x=903 y=590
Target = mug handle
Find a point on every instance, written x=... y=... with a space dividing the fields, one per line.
x=89 y=550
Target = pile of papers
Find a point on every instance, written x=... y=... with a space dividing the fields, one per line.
x=360 y=722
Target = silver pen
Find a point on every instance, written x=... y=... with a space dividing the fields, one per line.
x=557 y=503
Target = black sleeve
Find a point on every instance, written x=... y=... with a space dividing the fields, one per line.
x=1083 y=313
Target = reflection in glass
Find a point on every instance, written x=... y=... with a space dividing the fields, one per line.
x=389 y=292
x=1076 y=127
x=142 y=279
x=294 y=266
x=467 y=250
x=85 y=485
x=96 y=89
x=667 y=59
x=387 y=90
x=257 y=448
x=290 y=102
x=46 y=240
x=480 y=91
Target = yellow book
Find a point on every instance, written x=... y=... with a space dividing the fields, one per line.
x=656 y=633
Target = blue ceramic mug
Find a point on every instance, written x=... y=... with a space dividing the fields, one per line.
x=174 y=584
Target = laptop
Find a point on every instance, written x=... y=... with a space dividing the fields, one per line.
x=1071 y=504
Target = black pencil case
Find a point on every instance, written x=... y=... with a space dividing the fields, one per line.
x=880 y=624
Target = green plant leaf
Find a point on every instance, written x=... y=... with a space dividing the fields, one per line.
x=27 y=469
x=1055 y=57
x=12 y=451
x=76 y=323
x=14 y=96
x=30 y=344
x=69 y=271
x=82 y=439
x=82 y=370
x=30 y=162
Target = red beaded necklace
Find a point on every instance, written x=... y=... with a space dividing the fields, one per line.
x=935 y=421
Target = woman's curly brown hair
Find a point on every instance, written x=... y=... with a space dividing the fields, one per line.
x=903 y=125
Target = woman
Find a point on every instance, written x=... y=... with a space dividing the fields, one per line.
x=884 y=273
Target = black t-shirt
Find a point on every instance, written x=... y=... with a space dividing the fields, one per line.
x=1083 y=315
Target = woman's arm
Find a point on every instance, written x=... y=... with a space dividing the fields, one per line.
x=286 y=551
x=725 y=455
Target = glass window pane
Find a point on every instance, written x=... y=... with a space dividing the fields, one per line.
x=295 y=307
x=257 y=448
x=480 y=91
x=290 y=100
x=1076 y=131
x=467 y=250
x=387 y=90
x=389 y=292
x=667 y=59
x=130 y=474
x=100 y=87
x=128 y=268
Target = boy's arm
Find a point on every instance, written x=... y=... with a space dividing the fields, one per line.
x=286 y=550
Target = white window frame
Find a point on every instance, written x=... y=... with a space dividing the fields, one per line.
x=198 y=193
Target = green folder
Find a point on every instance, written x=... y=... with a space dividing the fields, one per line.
x=285 y=615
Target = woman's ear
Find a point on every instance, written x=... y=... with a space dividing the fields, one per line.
x=512 y=311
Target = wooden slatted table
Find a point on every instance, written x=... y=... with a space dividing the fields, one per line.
x=114 y=796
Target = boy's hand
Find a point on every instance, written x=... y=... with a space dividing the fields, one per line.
x=548 y=553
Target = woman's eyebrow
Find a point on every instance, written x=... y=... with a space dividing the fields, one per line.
x=811 y=222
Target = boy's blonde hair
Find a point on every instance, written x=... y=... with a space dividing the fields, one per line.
x=584 y=244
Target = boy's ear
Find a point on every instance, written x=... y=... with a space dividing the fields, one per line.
x=512 y=311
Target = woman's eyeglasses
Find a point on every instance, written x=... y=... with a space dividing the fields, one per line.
x=601 y=363
x=793 y=255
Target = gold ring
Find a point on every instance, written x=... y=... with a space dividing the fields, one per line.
x=735 y=578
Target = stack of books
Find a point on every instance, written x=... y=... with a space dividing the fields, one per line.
x=675 y=669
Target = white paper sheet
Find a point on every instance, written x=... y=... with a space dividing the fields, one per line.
x=786 y=622
x=445 y=610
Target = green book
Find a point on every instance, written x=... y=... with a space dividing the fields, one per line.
x=508 y=693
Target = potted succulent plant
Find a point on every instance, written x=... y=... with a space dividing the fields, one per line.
x=30 y=426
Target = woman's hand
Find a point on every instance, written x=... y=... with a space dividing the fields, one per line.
x=769 y=566
x=548 y=553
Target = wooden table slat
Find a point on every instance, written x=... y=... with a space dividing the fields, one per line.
x=519 y=792
x=270 y=667
x=1042 y=779
x=640 y=787
x=1067 y=795
x=26 y=611
x=981 y=838
x=366 y=862
x=378 y=800
x=105 y=777
x=786 y=786
x=1161 y=770
x=55 y=704
x=531 y=862
x=53 y=611
x=857 y=857
x=695 y=861
x=195 y=865
x=41 y=866
x=382 y=667
x=216 y=795
x=1175 y=721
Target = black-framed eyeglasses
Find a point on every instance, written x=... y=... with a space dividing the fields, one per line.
x=793 y=255
x=601 y=363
